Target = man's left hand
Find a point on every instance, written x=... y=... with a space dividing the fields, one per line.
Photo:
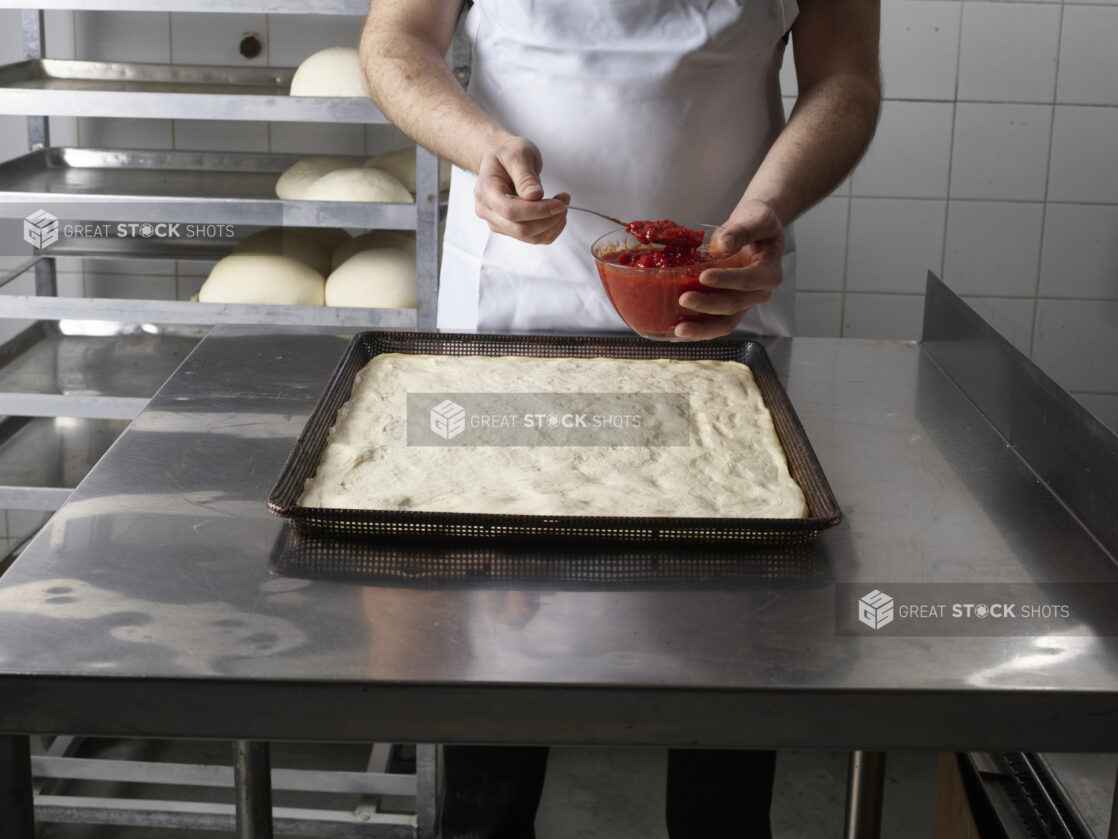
x=755 y=228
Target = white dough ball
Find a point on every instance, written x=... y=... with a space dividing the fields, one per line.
x=381 y=279
x=370 y=185
x=400 y=164
x=263 y=278
x=335 y=71
x=284 y=242
x=400 y=239
x=294 y=183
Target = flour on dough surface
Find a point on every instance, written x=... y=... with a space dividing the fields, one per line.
x=733 y=468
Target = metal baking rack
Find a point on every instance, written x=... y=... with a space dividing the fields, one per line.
x=154 y=186
x=69 y=386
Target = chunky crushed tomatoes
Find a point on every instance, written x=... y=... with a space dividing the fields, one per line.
x=665 y=232
x=672 y=244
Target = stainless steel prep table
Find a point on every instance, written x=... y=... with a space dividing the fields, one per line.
x=151 y=605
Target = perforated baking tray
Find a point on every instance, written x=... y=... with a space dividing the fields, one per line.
x=458 y=563
x=823 y=510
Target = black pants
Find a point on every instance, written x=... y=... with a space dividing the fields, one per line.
x=492 y=792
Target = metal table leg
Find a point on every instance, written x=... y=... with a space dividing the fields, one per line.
x=426 y=790
x=1113 y=832
x=17 y=815
x=252 y=773
x=865 y=789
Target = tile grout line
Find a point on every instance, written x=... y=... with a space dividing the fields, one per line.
x=268 y=62
x=171 y=60
x=915 y=100
x=77 y=120
x=845 y=261
x=951 y=146
x=1047 y=184
x=964 y=295
x=962 y=200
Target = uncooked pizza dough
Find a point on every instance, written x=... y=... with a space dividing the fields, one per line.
x=263 y=278
x=375 y=239
x=400 y=164
x=382 y=279
x=734 y=466
x=284 y=242
x=294 y=183
x=371 y=185
x=330 y=72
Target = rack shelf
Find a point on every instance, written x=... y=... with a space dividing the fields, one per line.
x=171 y=186
x=45 y=372
x=276 y=7
x=52 y=87
x=186 y=312
x=42 y=459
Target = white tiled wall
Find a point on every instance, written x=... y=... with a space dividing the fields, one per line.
x=994 y=166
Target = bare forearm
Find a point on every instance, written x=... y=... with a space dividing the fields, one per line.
x=408 y=77
x=826 y=135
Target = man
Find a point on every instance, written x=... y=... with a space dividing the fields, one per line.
x=654 y=109
x=640 y=109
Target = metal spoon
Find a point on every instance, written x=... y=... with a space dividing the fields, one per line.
x=616 y=221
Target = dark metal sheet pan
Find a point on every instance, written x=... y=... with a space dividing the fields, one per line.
x=823 y=510
x=466 y=564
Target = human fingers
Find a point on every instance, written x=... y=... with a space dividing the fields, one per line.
x=708 y=328
x=509 y=197
x=724 y=302
x=536 y=222
x=752 y=224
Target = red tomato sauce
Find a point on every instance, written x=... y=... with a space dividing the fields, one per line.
x=648 y=301
x=678 y=246
x=665 y=232
x=670 y=256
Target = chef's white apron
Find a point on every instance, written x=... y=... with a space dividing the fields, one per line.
x=642 y=109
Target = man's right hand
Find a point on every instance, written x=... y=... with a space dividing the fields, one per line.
x=509 y=196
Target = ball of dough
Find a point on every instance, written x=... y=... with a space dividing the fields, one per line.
x=263 y=278
x=294 y=183
x=370 y=185
x=330 y=72
x=400 y=239
x=282 y=242
x=400 y=164
x=382 y=279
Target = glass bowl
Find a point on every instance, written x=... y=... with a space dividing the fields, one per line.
x=648 y=298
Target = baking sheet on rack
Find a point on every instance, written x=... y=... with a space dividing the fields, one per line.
x=54 y=87
x=202 y=187
x=823 y=510
x=61 y=172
